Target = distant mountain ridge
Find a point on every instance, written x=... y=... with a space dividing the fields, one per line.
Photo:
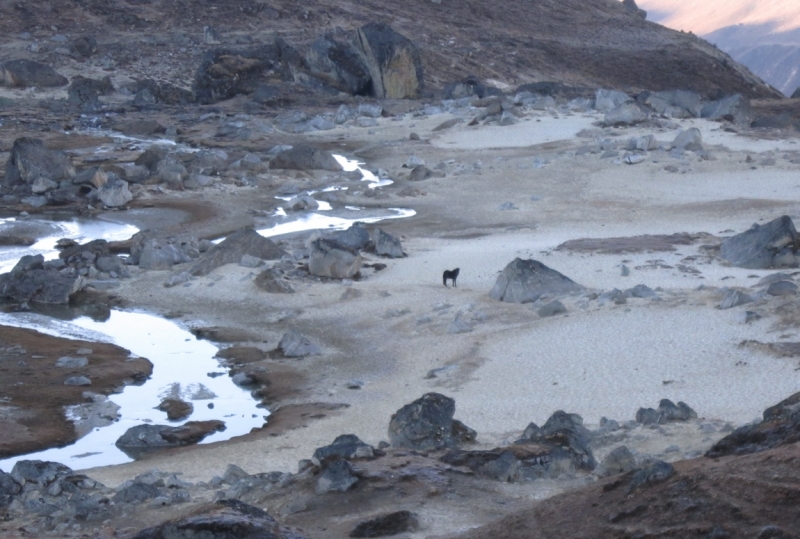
x=764 y=35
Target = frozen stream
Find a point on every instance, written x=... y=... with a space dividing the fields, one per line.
x=181 y=367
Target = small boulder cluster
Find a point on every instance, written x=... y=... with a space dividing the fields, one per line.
x=338 y=255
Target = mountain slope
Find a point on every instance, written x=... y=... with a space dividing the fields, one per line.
x=763 y=35
x=594 y=43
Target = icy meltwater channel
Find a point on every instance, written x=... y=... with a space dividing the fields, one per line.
x=80 y=230
x=319 y=220
x=181 y=367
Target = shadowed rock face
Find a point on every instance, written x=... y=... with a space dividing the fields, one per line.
x=233 y=248
x=25 y=73
x=393 y=61
x=780 y=426
x=524 y=281
x=763 y=246
x=427 y=423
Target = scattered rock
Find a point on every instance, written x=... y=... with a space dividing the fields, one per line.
x=336 y=476
x=115 y=193
x=387 y=245
x=271 y=281
x=177 y=410
x=294 y=344
x=30 y=281
x=782 y=288
x=653 y=471
x=524 y=281
x=691 y=140
x=763 y=246
x=607 y=100
x=427 y=423
x=620 y=460
x=625 y=114
x=346 y=446
x=734 y=108
x=551 y=309
x=141 y=440
x=30 y=160
x=667 y=412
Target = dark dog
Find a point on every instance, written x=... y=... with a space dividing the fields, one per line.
x=452 y=275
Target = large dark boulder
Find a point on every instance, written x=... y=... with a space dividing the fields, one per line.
x=387 y=245
x=427 y=423
x=8 y=489
x=780 y=426
x=303 y=157
x=40 y=472
x=31 y=161
x=763 y=246
x=31 y=281
x=339 y=65
x=524 y=281
x=141 y=440
x=734 y=108
x=226 y=519
x=354 y=238
x=25 y=73
x=161 y=92
x=393 y=61
x=225 y=73
x=231 y=250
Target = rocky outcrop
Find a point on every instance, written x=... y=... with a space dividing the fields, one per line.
x=26 y=73
x=346 y=446
x=625 y=114
x=84 y=92
x=33 y=280
x=114 y=193
x=393 y=62
x=354 y=238
x=690 y=139
x=675 y=103
x=31 y=161
x=763 y=246
x=667 y=412
x=231 y=250
x=338 y=64
x=224 y=520
x=303 y=157
x=427 y=423
x=225 y=73
x=779 y=426
x=329 y=259
x=142 y=440
x=524 y=281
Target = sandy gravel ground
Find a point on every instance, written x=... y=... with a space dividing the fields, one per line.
x=600 y=359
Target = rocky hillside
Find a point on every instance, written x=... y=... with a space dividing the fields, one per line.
x=592 y=43
x=764 y=36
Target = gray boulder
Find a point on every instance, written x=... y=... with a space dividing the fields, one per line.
x=294 y=344
x=667 y=412
x=329 y=259
x=336 y=476
x=339 y=65
x=675 y=103
x=691 y=140
x=84 y=92
x=620 y=460
x=30 y=160
x=305 y=158
x=354 y=238
x=142 y=440
x=393 y=62
x=226 y=519
x=8 y=489
x=160 y=254
x=26 y=73
x=346 y=446
x=551 y=309
x=427 y=423
x=115 y=193
x=30 y=281
x=387 y=245
x=567 y=436
x=606 y=100
x=524 y=281
x=734 y=108
x=763 y=246
x=271 y=281
x=231 y=250
x=39 y=472
x=782 y=288
x=625 y=114
x=734 y=298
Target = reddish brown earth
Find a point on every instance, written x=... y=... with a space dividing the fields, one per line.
x=729 y=497
x=32 y=390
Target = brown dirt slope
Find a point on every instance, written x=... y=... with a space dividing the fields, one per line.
x=728 y=498
x=593 y=43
